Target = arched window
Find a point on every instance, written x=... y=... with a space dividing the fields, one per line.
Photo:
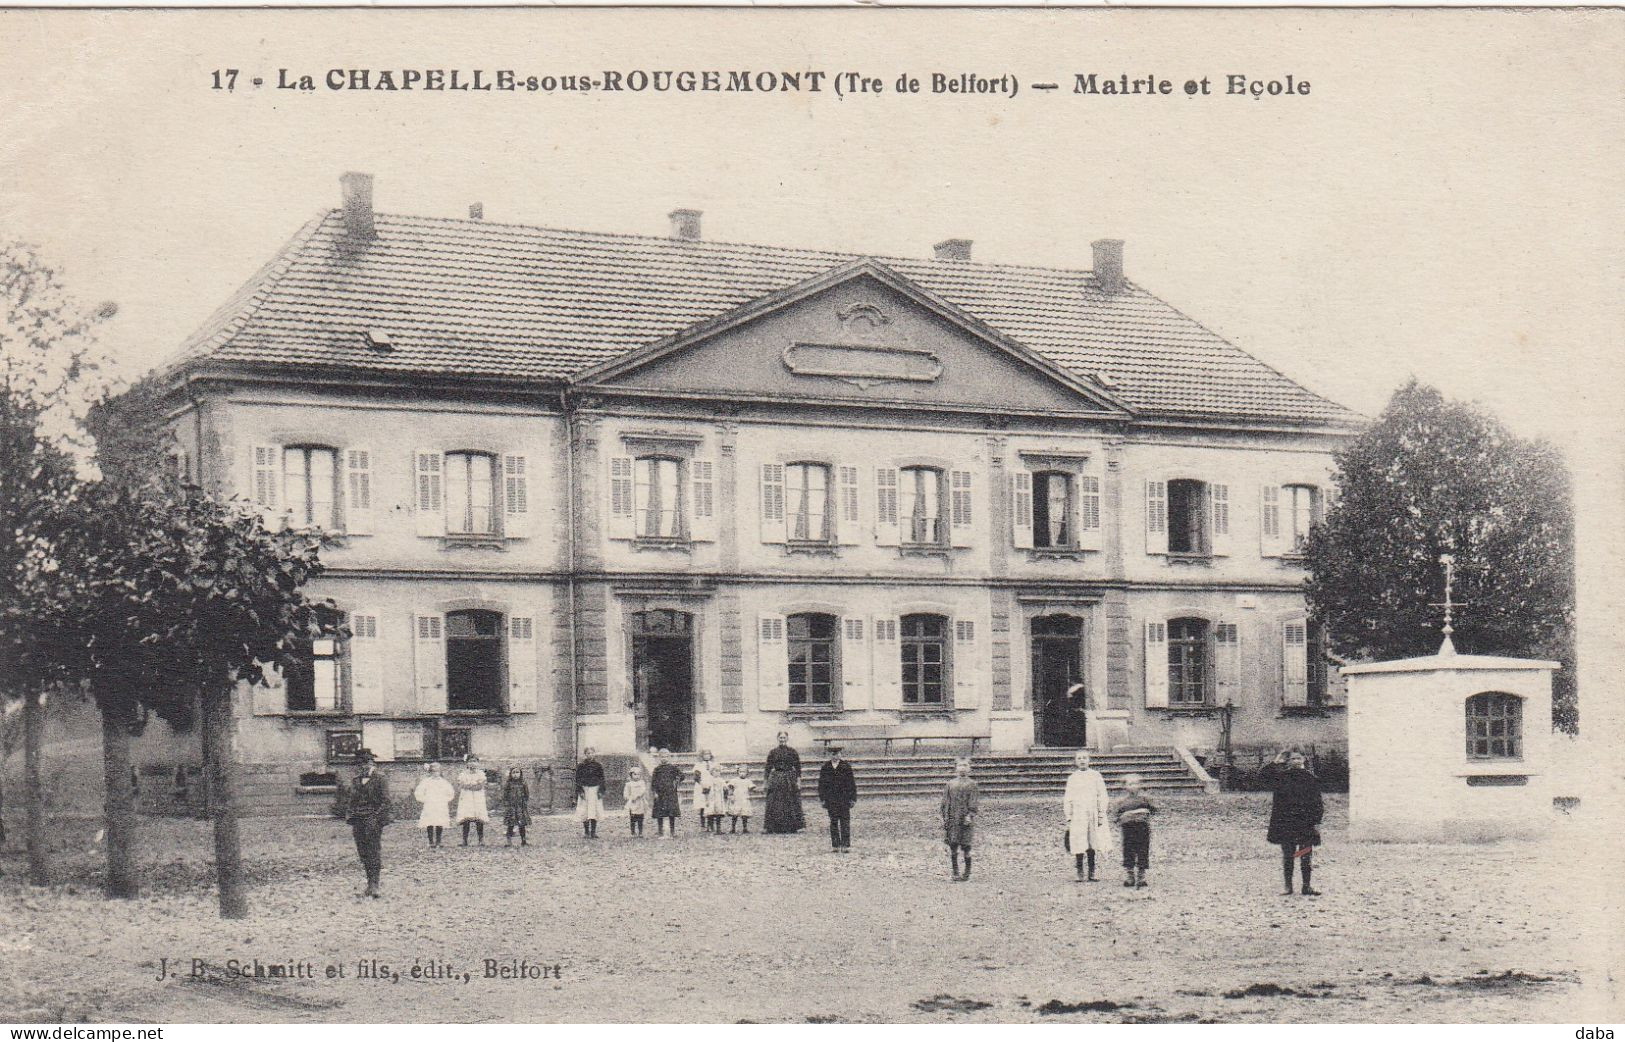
x=470 y=483
x=814 y=666
x=1053 y=524
x=1495 y=727
x=1189 y=661
x=925 y=659
x=474 y=655
x=310 y=485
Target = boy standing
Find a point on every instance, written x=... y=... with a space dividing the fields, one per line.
x=959 y=801
x=1132 y=812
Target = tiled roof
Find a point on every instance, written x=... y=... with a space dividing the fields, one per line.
x=476 y=298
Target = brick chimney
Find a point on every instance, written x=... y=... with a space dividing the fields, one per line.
x=685 y=224
x=952 y=250
x=476 y=211
x=1109 y=265
x=358 y=226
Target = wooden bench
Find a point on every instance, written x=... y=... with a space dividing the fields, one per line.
x=842 y=734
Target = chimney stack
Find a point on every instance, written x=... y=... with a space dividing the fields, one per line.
x=358 y=224
x=952 y=250
x=685 y=225
x=476 y=211
x=1109 y=265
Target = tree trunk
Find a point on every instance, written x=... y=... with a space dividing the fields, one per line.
x=123 y=874
x=220 y=763
x=39 y=866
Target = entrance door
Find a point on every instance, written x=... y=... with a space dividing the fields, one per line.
x=663 y=679
x=1057 y=677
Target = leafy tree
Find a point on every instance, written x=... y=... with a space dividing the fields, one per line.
x=1433 y=477
x=50 y=372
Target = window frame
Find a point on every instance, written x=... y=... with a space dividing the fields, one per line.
x=1296 y=541
x=499 y=639
x=1195 y=653
x=335 y=499
x=1194 y=497
x=1042 y=479
x=944 y=641
x=791 y=511
x=680 y=477
x=906 y=530
x=833 y=642
x=294 y=681
x=1512 y=733
x=495 y=506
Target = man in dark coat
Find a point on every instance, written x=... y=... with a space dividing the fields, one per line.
x=368 y=813
x=1295 y=815
x=838 y=791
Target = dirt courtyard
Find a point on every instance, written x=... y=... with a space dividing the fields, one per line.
x=777 y=928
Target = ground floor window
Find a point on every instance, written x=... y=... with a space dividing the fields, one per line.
x=315 y=682
x=811 y=647
x=474 y=661
x=925 y=659
x=1494 y=727
x=1189 y=661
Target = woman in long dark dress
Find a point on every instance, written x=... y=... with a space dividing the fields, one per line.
x=663 y=783
x=783 y=789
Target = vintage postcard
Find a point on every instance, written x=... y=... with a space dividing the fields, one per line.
x=702 y=516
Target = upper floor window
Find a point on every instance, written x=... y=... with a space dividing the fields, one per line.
x=658 y=501
x=1190 y=663
x=812 y=640
x=807 y=494
x=1300 y=510
x=1187 y=517
x=925 y=659
x=1053 y=522
x=474 y=661
x=315 y=682
x=920 y=494
x=470 y=491
x=1495 y=727
x=310 y=486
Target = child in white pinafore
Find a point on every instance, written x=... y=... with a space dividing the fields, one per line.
x=637 y=799
x=736 y=797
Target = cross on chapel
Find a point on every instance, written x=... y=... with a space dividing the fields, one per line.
x=1449 y=604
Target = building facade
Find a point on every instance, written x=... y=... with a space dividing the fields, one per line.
x=621 y=491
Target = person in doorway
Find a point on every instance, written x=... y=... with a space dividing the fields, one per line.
x=838 y=791
x=708 y=792
x=1133 y=811
x=589 y=793
x=516 y=805
x=368 y=812
x=471 y=809
x=664 y=783
x=1295 y=815
x=959 y=803
x=1085 y=806
x=435 y=793
x=736 y=794
x=783 y=779
x=637 y=799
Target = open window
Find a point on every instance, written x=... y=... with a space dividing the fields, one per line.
x=921 y=496
x=474 y=661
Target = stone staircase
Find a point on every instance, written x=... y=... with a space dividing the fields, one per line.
x=1037 y=773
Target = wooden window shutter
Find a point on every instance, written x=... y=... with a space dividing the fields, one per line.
x=961 y=507
x=1021 y=514
x=1294 y=662
x=622 y=504
x=967 y=666
x=358 y=491
x=515 y=497
x=1219 y=519
x=430 y=499
x=1156 y=519
x=1227 y=662
x=771 y=512
x=366 y=663
x=1089 y=520
x=1156 y=664
x=888 y=662
x=522 y=663
x=886 y=528
x=703 y=487
x=772 y=663
x=855 y=674
x=266 y=461
x=848 y=516
x=429 y=662
x=1270 y=541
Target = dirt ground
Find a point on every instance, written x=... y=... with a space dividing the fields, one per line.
x=778 y=928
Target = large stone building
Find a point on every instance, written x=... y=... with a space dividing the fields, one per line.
x=623 y=491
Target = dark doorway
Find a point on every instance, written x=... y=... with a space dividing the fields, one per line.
x=663 y=679
x=1059 y=698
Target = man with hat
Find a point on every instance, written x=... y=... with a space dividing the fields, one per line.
x=837 y=791
x=368 y=813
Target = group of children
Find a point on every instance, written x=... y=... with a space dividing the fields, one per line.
x=435 y=793
x=719 y=792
